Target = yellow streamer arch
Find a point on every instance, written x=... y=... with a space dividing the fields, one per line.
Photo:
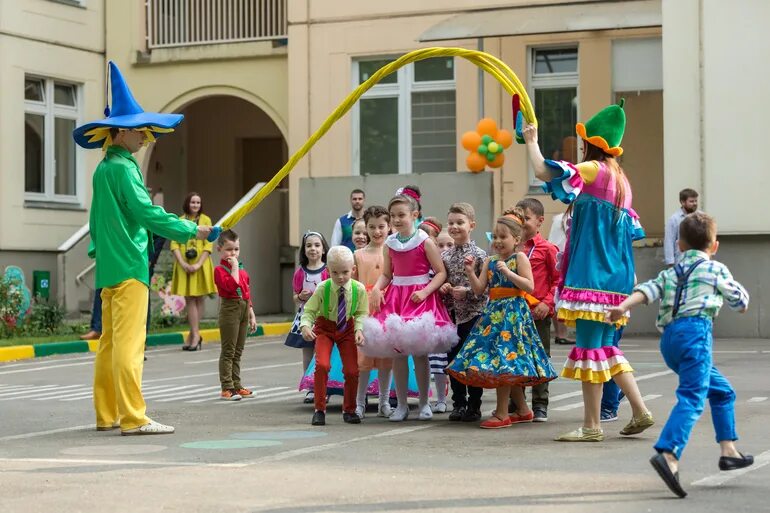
x=483 y=60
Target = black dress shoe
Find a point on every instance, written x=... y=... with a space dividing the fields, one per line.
x=472 y=415
x=351 y=418
x=671 y=479
x=319 y=419
x=729 y=463
x=457 y=414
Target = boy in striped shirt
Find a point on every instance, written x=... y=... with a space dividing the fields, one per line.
x=691 y=294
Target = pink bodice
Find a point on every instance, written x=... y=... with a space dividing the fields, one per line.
x=413 y=262
x=605 y=186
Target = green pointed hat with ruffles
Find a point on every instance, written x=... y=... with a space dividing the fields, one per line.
x=605 y=129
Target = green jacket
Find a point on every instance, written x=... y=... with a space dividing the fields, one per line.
x=121 y=215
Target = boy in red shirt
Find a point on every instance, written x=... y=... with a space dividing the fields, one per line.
x=542 y=258
x=235 y=315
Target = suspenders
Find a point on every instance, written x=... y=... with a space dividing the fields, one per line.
x=237 y=290
x=681 y=281
x=328 y=294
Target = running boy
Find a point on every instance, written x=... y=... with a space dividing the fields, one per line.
x=235 y=315
x=691 y=294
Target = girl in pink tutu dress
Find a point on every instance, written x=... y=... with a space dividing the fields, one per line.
x=412 y=319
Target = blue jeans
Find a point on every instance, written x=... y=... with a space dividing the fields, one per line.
x=611 y=392
x=96 y=312
x=686 y=349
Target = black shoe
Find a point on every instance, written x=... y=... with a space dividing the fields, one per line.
x=671 y=479
x=457 y=414
x=319 y=419
x=564 y=341
x=472 y=415
x=540 y=415
x=729 y=463
x=351 y=418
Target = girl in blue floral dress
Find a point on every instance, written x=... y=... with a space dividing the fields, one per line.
x=504 y=350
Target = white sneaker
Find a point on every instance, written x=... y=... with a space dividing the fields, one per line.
x=400 y=414
x=153 y=428
x=385 y=410
x=426 y=413
x=360 y=411
x=440 y=407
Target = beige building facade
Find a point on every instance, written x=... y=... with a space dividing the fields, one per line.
x=255 y=78
x=51 y=79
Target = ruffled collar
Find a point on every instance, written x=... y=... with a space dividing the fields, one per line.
x=396 y=245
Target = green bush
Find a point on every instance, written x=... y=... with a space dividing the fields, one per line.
x=45 y=318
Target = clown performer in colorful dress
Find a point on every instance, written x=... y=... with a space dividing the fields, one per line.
x=122 y=217
x=597 y=265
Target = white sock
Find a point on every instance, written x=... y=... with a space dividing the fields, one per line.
x=422 y=373
x=383 y=378
x=441 y=381
x=363 y=382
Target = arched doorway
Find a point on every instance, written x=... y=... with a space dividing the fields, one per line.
x=224 y=147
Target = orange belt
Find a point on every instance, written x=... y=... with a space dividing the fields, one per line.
x=505 y=292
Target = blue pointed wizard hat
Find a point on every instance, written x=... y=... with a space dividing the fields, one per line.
x=125 y=113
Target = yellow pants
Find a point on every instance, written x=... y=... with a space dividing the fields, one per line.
x=120 y=360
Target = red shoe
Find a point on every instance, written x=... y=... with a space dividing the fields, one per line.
x=244 y=392
x=496 y=423
x=515 y=418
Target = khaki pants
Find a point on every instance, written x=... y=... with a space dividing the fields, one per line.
x=233 y=325
x=119 y=362
x=540 y=392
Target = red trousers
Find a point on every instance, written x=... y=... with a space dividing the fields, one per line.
x=326 y=336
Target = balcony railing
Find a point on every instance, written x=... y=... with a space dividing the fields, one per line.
x=173 y=23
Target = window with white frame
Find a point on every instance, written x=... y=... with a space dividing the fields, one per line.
x=406 y=122
x=50 y=159
x=553 y=79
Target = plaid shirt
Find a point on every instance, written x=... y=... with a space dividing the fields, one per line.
x=454 y=261
x=703 y=294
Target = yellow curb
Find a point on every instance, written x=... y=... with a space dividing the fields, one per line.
x=93 y=345
x=16 y=353
x=209 y=336
x=276 y=328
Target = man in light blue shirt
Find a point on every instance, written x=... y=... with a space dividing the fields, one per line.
x=688 y=199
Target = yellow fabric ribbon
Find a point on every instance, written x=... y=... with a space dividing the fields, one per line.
x=489 y=63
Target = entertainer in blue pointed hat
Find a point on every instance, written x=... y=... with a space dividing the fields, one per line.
x=598 y=263
x=122 y=214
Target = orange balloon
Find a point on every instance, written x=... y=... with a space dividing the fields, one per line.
x=475 y=162
x=504 y=137
x=487 y=126
x=471 y=141
x=498 y=161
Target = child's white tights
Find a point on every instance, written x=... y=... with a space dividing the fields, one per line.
x=383 y=378
x=441 y=381
x=401 y=376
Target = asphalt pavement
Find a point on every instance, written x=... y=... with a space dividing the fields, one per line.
x=262 y=454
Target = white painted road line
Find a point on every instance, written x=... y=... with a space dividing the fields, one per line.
x=88 y=394
x=30 y=390
x=285 y=455
x=60 y=394
x=258 y=393
x=757 y=399
x=48 y=432
x=45 y=367
x=208 y=390
x=188 y=376
x=722 y=477
x=292 y=394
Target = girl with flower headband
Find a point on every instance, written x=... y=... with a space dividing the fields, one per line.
x=597 y=266
x=311 y=271
x=504 y=351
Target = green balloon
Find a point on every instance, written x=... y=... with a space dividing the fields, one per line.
x=486 y=139
x=491 y=156
x=499 y=149
x=482 y=149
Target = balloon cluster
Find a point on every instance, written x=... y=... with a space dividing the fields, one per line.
x=486 y=145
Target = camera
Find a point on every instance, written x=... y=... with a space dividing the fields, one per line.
x=191 y=253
